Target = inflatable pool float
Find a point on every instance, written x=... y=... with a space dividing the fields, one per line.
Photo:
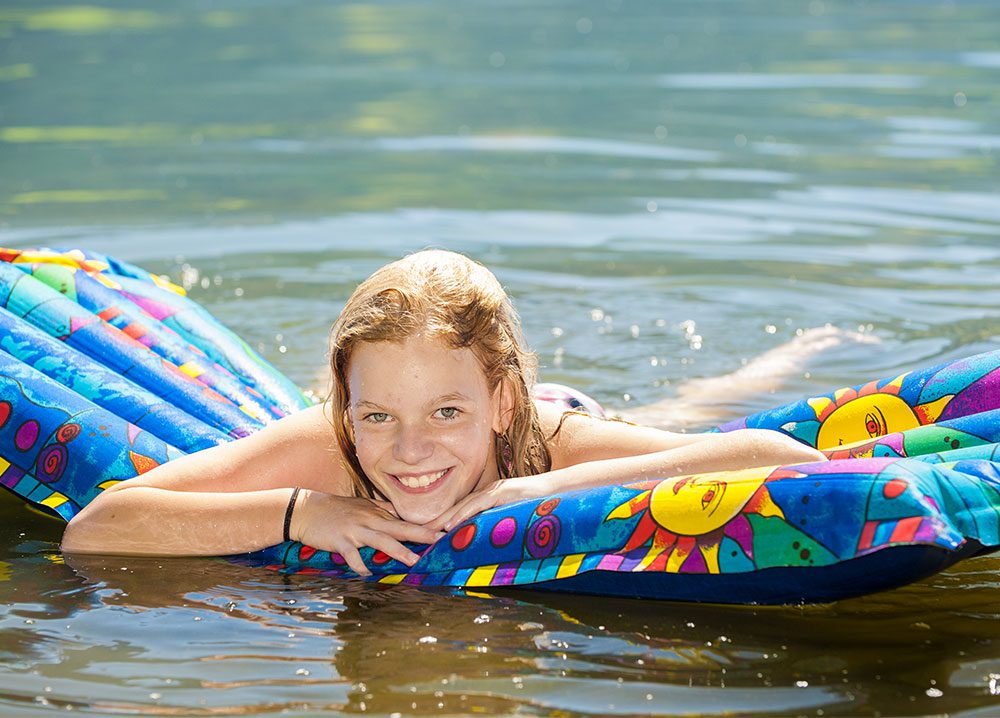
x=107 y=371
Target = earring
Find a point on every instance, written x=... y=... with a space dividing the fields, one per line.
x=506 y=453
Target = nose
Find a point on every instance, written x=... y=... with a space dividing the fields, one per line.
x=414 y=444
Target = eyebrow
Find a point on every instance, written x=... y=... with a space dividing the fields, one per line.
x=454 y=396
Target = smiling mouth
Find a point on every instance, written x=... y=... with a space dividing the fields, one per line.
x=421 y=482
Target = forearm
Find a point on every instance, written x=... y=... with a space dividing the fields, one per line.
x=151 y=521
x=707 y=453
x=719 y=452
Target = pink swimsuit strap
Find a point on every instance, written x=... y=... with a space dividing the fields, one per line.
x=568 y=398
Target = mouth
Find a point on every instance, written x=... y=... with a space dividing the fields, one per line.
x=421 y=483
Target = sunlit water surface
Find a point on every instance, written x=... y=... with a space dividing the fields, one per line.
x=667 y=189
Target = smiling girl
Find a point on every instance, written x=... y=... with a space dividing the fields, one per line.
x=430 y=421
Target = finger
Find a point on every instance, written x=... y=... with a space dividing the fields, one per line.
x=380 y=509
x=405 y=531
x=391 y=547
x=461 y=512
x=460 y=517
x=440 y=523
x=386 y=506
x=353 y=558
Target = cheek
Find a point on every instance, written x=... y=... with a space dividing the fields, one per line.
x=366 y=446
x=473 y=442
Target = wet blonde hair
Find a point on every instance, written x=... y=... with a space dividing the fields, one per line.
x=448 y=296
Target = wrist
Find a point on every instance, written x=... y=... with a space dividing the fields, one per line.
x=294 y=509
x=523 y=488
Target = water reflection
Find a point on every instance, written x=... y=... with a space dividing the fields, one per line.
x=168 y=630
x=455 y=651
x=379 y=106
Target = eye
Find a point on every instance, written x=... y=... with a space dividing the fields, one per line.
x=377 y=417
x=875 y=424
x=449 y=412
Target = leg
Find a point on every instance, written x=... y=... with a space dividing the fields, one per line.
x=704 y=402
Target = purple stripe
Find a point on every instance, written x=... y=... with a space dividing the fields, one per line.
x=11 y=476
x=505 y=574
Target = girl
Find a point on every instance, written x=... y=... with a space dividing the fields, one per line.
x=430 y=421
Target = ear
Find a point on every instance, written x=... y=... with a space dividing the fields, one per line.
x=503 y=405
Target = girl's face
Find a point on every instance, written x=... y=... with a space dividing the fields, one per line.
x=423 y=420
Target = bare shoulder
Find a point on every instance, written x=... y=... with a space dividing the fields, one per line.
x=298 y=450
x=574 y=437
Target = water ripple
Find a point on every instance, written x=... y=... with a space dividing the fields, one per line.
x=486 y=143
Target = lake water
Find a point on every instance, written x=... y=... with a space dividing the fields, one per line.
x=667 y=189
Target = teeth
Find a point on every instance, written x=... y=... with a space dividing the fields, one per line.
x=418 y=482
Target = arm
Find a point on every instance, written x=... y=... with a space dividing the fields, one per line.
x=232 y=499
x=744 y=449
x=593 y=452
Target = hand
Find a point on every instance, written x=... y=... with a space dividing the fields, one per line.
x=498 y=493
x=344 y=524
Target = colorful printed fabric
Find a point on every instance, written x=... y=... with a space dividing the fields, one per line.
x=99 y=386
x=142 y=296
x=85 y=403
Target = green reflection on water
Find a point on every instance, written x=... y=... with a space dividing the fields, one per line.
x=181 y=100
x=82 y=19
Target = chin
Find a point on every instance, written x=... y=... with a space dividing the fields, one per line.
x=417 y=514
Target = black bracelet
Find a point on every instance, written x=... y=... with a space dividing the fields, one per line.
x=288 y=513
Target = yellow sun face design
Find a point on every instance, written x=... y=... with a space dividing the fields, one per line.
x=682 y=520
x=852 y=416
x=695 y=505
x=866 y=417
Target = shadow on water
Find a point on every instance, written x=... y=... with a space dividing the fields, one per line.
x=202 y=636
